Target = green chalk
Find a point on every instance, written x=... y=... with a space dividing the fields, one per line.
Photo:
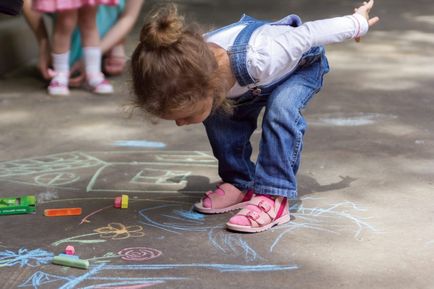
x=71 y=262
x=20 y=205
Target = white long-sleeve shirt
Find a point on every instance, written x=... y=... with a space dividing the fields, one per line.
x=275 y=50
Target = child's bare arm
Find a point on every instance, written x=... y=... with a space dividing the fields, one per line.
x=36 y=23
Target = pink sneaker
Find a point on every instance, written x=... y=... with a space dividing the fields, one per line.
x=224 y=199
x=103 y=87
x=262 y=213
x=98 y=84
x=58 y=85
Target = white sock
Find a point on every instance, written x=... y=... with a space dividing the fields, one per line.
x=92 y=60
x=61 y=66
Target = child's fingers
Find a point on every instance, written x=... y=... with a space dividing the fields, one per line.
x=76 y=81
x=369 y=4
x=51 y=73
x=373 y=21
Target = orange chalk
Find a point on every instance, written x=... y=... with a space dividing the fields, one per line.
x=62 y=212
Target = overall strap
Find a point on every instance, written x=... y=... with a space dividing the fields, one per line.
x=238 y=53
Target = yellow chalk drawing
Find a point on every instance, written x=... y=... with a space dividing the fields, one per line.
x=113 y=231
x=117 y=231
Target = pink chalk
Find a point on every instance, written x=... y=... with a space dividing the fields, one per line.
x=69 y=250
x=118 y=202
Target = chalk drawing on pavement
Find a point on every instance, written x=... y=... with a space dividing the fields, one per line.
x=134 y=171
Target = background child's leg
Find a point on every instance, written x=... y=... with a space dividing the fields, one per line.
x=65 y=23
x=90 y=40
x=87 y=25
x=106 y=19
x=91 y=50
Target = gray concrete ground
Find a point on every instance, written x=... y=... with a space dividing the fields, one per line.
x=365 y=218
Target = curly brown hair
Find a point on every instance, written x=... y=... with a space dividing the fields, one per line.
x=173 y=67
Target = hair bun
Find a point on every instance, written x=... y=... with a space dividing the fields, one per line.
x=164 y=28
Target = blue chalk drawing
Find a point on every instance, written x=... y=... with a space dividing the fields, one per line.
x=38 y=279
x=139 y=144
x=325 y=219
x=190 y=215
x=216 y=267
x=333 y=219
x=24 y=257
x=232 y=244
x=179 y=221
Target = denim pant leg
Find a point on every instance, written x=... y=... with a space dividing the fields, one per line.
x=283 y=128
x=229 y=136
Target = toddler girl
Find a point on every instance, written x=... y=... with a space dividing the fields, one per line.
x=68 y=14
x=224 y=79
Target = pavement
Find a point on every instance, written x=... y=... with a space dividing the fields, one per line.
x=365 y=217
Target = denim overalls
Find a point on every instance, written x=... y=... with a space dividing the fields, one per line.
x=283 y=125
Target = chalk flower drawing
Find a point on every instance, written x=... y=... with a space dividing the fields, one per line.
x=114 y=231
x=118 y=231
x=24 y=257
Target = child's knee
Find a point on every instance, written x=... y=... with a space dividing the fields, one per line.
x=66 y=21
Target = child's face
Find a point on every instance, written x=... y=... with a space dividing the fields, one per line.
x=195 y=113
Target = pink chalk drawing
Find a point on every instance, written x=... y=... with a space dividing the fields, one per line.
x=140 y=286
x=139 y=254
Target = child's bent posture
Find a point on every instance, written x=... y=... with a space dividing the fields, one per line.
x=69 y=13
x=224 y=79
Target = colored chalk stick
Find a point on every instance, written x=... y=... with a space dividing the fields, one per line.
x=69 y=256
x=124 y=203
x=62 y=212
x=118 y=202
x=70 y=250
x=70 y=262
x=20 y=205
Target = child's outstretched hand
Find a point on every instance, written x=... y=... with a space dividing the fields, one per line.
x=364 y=11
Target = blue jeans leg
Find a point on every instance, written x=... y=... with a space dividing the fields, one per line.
x=229 y=136
x=283 y=128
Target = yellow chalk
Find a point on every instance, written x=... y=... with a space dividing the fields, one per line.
x=124 y=202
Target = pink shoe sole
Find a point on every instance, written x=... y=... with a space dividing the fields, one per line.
x=247 y=229
x=198 y=206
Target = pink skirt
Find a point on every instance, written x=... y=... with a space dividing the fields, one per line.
x=59 y=5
